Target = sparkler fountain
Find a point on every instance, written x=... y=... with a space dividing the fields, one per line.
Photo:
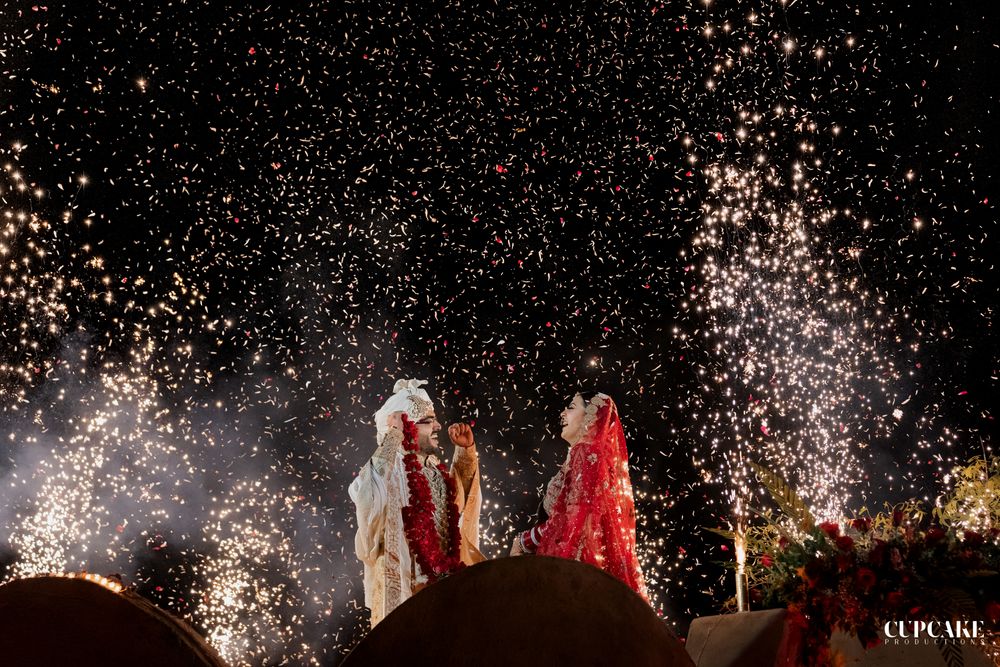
x=794 y=364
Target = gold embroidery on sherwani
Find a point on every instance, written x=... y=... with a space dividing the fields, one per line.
x=439 y=495
x=387 y=451
x=395 y=577
x=465 y=468
x=393 y=536
x=388 y=587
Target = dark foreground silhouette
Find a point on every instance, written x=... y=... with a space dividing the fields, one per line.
x=528 y=610
x=55 y=621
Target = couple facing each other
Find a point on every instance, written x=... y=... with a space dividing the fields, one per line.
x=418 y=520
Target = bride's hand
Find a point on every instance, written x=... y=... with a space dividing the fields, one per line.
x=515 y=548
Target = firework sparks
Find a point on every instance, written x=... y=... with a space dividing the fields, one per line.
x=798 y=364
x=224 y=235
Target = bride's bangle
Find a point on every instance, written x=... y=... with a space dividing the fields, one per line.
x=524 y=545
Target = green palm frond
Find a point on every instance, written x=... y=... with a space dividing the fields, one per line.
x=784 y=495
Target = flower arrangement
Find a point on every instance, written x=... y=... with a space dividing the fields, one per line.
x=436 y=557
x=901 y=564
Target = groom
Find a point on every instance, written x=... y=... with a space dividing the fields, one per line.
x=391 y=514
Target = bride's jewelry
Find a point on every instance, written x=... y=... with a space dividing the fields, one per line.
x=590 y=411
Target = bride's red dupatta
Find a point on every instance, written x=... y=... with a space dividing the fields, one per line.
x=593 y=518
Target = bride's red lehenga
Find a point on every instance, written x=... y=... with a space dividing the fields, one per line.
x=589 y=502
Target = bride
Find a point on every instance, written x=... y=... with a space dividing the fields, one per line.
x=589 y=504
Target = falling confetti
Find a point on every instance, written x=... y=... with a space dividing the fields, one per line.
x=765 y=228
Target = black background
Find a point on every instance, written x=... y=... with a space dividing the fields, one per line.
x=494 y=198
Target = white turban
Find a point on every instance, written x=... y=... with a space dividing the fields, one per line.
x=407 y=397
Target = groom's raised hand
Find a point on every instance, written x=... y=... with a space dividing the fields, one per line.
x=461 y=435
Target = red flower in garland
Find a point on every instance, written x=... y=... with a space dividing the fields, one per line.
x=844 y=542
x=418 y=517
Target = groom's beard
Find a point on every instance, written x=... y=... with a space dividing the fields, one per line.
x=427 y=445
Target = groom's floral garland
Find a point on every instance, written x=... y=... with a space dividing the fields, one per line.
x=418 y=516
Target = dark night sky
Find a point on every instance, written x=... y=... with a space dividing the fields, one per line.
x=321 y=198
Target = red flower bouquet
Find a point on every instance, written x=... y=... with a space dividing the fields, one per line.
x=902 y=564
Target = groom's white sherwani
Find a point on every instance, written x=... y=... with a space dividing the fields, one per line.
x=380 y=492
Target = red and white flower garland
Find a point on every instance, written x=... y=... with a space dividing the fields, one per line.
x=418 y=517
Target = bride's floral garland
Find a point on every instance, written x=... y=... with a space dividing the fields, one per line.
x=418 y=517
